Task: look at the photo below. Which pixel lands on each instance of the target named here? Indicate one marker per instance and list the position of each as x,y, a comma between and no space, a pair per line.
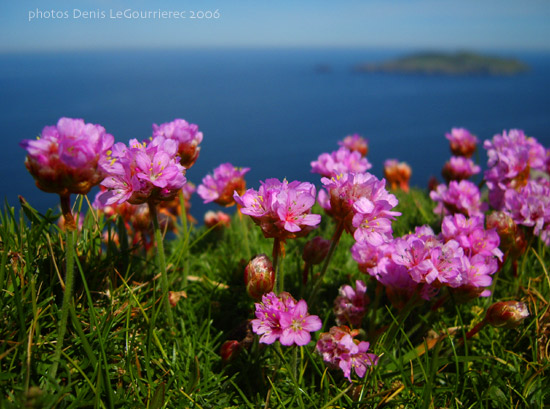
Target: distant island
438,63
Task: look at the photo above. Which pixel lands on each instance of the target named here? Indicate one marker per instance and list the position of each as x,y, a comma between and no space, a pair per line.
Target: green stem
67,297
279,279
332,248
161,262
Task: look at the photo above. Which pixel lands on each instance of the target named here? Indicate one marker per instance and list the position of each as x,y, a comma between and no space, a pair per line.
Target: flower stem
68,293
279,280
161,262
333,244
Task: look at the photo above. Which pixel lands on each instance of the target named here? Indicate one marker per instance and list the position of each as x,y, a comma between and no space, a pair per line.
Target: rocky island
437,63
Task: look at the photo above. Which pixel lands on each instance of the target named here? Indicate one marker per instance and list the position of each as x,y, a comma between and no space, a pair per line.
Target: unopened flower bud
316,250
507,314
259,276
229,350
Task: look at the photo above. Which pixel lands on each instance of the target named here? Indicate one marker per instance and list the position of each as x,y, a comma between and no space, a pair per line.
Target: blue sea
271,110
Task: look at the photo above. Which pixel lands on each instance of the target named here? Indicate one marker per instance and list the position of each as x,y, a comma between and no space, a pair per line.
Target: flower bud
507,314
229,350
512,239
218,219
315,250
397,174
259,276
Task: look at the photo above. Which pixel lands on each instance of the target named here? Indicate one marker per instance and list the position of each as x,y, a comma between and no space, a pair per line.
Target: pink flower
459,197
349,306
341,161
511,156
340,350
220,186
187,137
463,143
297,325
142,172
65,158
355,143
281,209
357,199
459,168
282,318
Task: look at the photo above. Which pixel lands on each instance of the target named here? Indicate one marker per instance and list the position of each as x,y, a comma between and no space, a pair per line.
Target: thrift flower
463,143
397,174
349,306
281,209
459,168
142,172
459,197
220,186
187,137
341,161
340,350
360,200
511,156
355,143
65,158
282,318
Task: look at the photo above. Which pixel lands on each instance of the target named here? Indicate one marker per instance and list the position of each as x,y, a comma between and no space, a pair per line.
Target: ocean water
270,110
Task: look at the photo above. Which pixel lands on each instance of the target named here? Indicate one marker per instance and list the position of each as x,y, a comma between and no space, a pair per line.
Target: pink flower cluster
285,319
341,161
355,142
363,204
530,206
459,197
340,350
187,137
459,168
281,209
463,256
65,158
142,172
462,142
349,306
220,186
511,157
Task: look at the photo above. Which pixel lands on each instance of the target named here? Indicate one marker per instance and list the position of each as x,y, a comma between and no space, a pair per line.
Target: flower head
463,143
220,186
397,174
349,306
142,172
65,158
282,318
341,161
355,143
459,197
259,276
361,201
340,350
459,168
281,209
187,137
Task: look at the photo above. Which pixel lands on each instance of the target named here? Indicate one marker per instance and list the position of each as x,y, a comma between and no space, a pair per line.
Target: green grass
120,352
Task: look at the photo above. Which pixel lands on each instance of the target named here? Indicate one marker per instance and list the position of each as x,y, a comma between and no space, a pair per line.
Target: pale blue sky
440,24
